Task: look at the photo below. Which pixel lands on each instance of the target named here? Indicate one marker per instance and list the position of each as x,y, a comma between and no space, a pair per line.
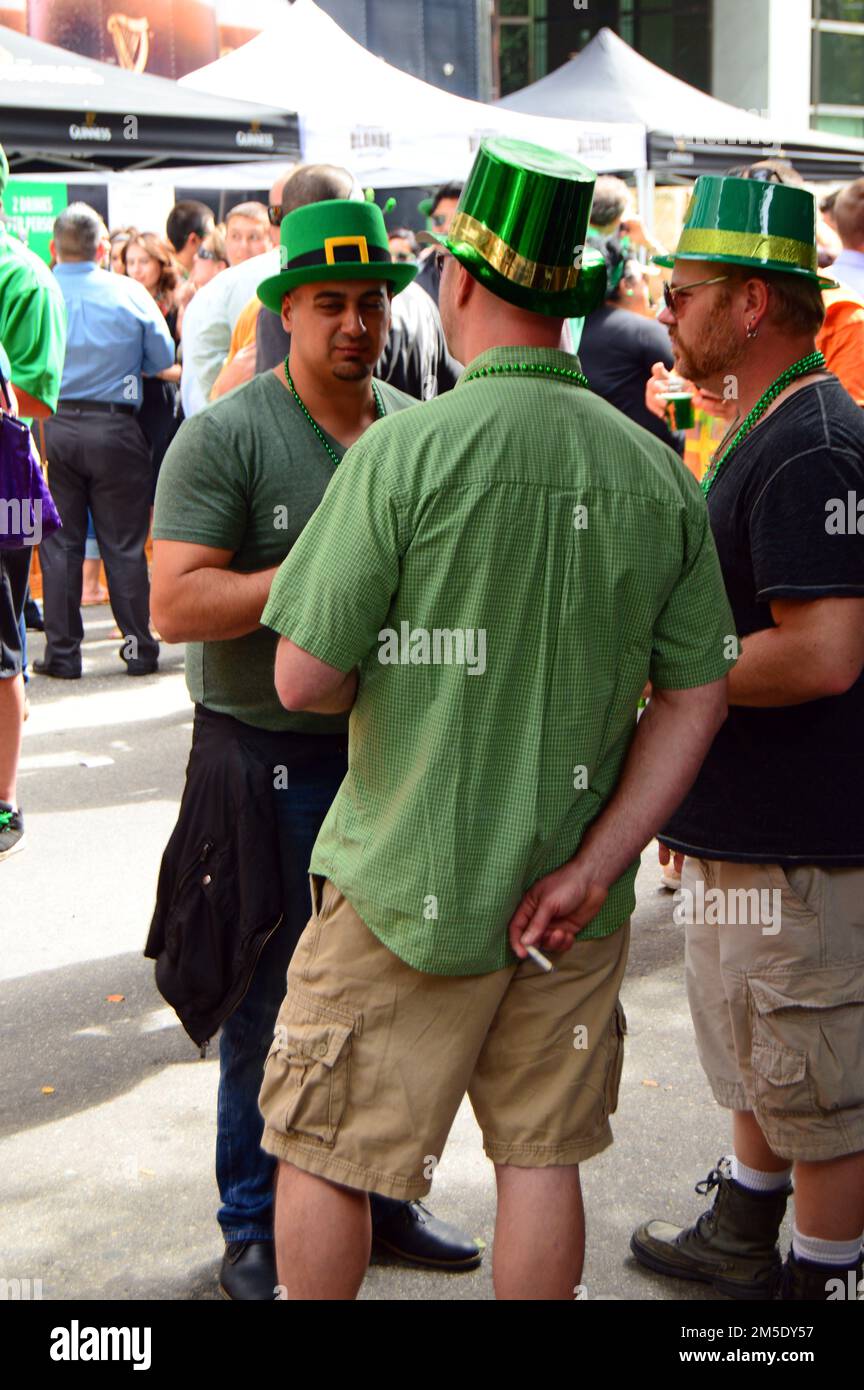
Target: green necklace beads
496,368
813,362
379,407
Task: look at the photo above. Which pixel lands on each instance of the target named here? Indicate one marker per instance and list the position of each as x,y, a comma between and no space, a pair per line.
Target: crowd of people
372,468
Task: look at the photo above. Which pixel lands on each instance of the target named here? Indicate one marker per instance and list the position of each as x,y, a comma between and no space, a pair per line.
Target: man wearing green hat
773,881
489,582
238,485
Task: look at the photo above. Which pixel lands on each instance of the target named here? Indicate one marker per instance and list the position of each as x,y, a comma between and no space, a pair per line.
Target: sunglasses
274,214
439,218
671,297
204,255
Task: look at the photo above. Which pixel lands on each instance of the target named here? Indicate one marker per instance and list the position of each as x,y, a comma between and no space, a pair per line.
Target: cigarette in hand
539,958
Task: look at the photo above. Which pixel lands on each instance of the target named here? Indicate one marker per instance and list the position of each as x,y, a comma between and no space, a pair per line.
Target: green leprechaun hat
520,229
338,239
771,226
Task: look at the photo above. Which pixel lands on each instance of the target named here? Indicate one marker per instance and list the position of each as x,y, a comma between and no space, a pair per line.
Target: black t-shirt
785,785
617,351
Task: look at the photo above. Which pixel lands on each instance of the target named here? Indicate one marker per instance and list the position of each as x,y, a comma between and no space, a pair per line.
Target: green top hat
520,229
771,226
338,239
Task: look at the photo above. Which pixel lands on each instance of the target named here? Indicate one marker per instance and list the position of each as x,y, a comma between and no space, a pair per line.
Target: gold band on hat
331,242
518,269
756,246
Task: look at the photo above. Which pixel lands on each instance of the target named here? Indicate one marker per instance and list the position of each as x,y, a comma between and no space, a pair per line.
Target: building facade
446,42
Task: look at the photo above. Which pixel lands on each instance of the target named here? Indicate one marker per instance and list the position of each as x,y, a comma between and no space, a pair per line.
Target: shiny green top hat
520,229
338,239
771,226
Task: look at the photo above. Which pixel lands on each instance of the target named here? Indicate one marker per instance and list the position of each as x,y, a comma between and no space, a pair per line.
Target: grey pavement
106,1181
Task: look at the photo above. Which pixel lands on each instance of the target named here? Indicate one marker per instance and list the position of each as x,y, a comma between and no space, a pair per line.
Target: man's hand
657,383
555,909
633,227
712,404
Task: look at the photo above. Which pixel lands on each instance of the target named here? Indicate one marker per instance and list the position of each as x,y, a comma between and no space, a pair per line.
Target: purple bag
27,510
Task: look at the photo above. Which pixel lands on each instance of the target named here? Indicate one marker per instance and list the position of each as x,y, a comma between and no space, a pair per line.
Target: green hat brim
587,294
780,267
271,290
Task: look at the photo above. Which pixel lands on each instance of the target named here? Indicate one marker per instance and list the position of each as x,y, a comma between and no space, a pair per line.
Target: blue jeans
316,765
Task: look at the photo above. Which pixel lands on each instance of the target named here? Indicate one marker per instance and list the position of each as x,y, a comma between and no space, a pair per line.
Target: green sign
30,210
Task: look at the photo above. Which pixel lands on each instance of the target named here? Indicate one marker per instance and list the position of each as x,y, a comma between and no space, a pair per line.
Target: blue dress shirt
115,333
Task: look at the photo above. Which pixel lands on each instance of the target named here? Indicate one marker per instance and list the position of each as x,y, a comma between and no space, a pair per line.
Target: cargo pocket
306,1075
806,1049
615,1062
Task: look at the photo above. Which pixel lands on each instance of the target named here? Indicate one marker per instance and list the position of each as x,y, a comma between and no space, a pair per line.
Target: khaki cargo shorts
777,998
371,1059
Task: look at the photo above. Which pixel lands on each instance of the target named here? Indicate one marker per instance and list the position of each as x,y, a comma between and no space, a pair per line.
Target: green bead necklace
379,407
494,368
813,362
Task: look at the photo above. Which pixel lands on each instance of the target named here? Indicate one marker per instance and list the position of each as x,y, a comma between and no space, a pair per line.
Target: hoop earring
752,330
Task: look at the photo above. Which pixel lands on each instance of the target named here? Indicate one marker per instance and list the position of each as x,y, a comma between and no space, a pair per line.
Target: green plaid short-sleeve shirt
508,565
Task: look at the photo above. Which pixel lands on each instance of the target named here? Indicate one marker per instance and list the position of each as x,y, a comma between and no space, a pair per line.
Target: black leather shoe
33,616
248,1272
42,668
409,1230
141,668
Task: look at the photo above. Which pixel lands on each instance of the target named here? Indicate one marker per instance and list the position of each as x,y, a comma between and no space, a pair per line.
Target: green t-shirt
508,564
32,320
246,474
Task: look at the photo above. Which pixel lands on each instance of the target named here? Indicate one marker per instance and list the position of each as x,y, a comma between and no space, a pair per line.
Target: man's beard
352,371
717,353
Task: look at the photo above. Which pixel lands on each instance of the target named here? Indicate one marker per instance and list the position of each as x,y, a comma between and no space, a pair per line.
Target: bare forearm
212,605
778,668
667,751
339,700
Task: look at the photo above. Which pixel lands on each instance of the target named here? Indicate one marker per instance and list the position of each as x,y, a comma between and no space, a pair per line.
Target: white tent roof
389,128
687,128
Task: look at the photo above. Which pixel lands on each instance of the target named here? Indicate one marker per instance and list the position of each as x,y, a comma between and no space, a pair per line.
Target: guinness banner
60,108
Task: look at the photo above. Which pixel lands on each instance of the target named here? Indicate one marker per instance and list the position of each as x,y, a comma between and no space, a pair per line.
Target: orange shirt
243,334
841,339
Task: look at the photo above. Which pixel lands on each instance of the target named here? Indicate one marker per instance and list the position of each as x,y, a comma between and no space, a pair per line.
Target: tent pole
645,184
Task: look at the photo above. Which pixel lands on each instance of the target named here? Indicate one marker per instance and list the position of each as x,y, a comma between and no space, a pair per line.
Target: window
838,66
534,37
852,11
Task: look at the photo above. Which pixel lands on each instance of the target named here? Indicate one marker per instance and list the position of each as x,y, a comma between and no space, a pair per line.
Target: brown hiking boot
732,1247
805,1282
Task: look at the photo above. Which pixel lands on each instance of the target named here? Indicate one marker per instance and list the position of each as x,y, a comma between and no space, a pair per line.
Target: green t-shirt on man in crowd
32,321
246,474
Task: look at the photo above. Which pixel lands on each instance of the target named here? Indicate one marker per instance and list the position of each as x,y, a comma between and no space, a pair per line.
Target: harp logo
131,41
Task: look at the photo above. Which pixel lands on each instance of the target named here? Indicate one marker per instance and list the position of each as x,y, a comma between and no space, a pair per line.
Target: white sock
842,1254
757,1181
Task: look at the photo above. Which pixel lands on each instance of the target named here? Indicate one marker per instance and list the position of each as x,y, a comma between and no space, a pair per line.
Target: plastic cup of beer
679,404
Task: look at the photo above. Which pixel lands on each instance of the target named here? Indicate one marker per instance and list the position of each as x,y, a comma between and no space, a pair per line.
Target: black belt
111,407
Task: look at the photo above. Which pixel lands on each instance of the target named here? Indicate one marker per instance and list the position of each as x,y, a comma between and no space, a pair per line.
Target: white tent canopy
389,128
689,132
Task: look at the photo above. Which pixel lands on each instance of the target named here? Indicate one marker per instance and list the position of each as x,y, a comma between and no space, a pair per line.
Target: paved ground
106,1182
